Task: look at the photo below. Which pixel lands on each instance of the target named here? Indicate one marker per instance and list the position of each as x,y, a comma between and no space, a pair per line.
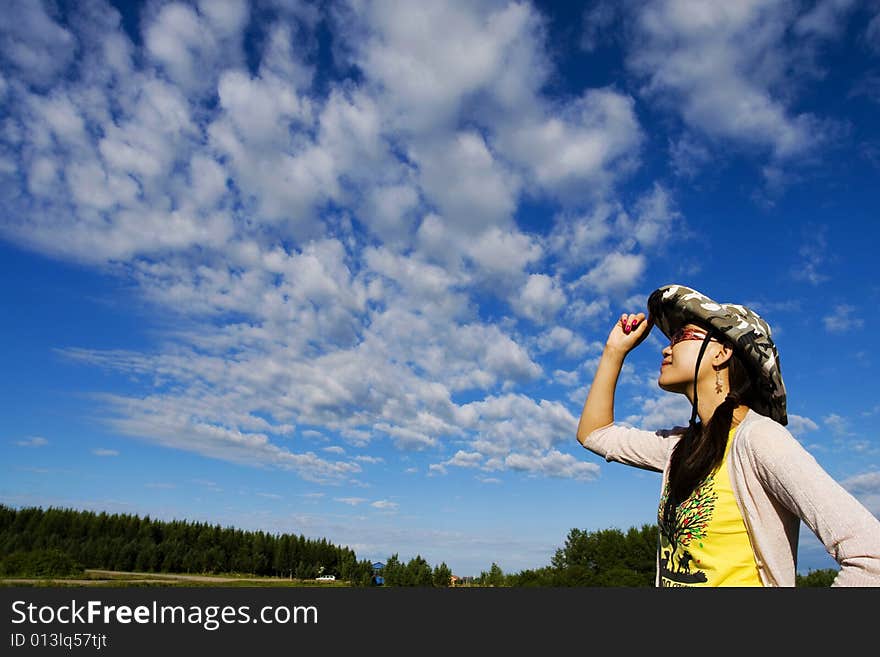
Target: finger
632,321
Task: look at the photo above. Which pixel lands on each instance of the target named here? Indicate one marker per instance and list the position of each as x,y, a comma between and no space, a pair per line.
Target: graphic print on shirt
677,565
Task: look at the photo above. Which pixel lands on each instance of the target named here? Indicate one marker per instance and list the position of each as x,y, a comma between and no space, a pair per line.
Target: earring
718,387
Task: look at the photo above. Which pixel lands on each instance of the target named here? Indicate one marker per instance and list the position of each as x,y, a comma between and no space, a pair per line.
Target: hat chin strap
705,344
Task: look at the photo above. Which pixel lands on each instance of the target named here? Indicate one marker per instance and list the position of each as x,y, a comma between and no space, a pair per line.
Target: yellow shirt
708,544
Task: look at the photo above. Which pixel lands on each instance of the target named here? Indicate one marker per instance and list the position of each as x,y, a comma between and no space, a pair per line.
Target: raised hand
629,331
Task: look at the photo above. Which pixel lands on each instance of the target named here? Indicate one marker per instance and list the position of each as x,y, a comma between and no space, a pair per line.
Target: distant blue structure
378,580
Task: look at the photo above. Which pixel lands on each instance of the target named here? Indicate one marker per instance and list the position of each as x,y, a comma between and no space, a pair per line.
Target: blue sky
346,269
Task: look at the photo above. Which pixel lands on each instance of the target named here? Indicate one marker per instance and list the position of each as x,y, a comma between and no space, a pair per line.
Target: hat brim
673,306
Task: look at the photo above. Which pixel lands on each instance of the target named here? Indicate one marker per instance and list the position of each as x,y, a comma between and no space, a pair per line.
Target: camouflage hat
673,306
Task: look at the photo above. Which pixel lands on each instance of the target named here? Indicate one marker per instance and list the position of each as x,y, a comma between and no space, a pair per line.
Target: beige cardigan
777,483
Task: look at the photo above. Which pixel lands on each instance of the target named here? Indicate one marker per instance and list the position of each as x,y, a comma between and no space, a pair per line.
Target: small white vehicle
327,578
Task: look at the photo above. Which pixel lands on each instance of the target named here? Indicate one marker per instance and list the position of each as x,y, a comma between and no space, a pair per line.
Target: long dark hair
701,448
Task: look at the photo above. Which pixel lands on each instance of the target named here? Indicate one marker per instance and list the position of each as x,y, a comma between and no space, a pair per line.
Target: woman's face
679,360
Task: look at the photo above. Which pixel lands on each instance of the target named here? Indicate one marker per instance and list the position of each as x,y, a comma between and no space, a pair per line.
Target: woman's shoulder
765,438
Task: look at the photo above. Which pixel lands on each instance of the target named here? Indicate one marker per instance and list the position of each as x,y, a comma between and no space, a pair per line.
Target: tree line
31,538
37,542
609,557
416,572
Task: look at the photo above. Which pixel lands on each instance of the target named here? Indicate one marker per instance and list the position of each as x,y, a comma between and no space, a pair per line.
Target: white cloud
225,16
502,255
664,412
165,421
487,67
579,150
466,183
585,312
34,441
775,307
583,239
191,46
553,464
825,19
284,57
560,338
655,217
385,505
724,68
814,254
105,452
327,259
352,501
569,379
34,43
464,459
596,23
867,483
426,76
799,425
688,155
211,486
540,298
838,424
62,117
260,110
516,423
414,277
390,211
866,487
842,319
405,437
615,274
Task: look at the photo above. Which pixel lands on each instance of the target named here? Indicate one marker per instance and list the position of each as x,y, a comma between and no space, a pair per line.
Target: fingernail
635,323
626,329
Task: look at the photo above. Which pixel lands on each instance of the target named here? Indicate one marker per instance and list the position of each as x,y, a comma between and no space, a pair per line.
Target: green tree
281,562
361,574
607,557
306,570
39,563
418,572
442,576
394,571
540,577
817,578
495,576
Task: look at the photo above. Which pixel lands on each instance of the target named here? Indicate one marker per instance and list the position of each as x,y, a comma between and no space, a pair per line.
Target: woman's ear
722,355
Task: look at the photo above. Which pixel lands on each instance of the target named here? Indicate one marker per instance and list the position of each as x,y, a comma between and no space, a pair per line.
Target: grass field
109,578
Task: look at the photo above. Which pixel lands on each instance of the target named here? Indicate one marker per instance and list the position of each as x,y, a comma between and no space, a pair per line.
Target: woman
736,483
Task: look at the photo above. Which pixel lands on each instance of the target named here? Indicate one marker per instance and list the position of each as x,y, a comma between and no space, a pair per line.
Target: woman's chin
669,387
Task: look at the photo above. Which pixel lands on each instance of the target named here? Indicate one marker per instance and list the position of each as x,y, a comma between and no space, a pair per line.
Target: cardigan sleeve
644,449
849,532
